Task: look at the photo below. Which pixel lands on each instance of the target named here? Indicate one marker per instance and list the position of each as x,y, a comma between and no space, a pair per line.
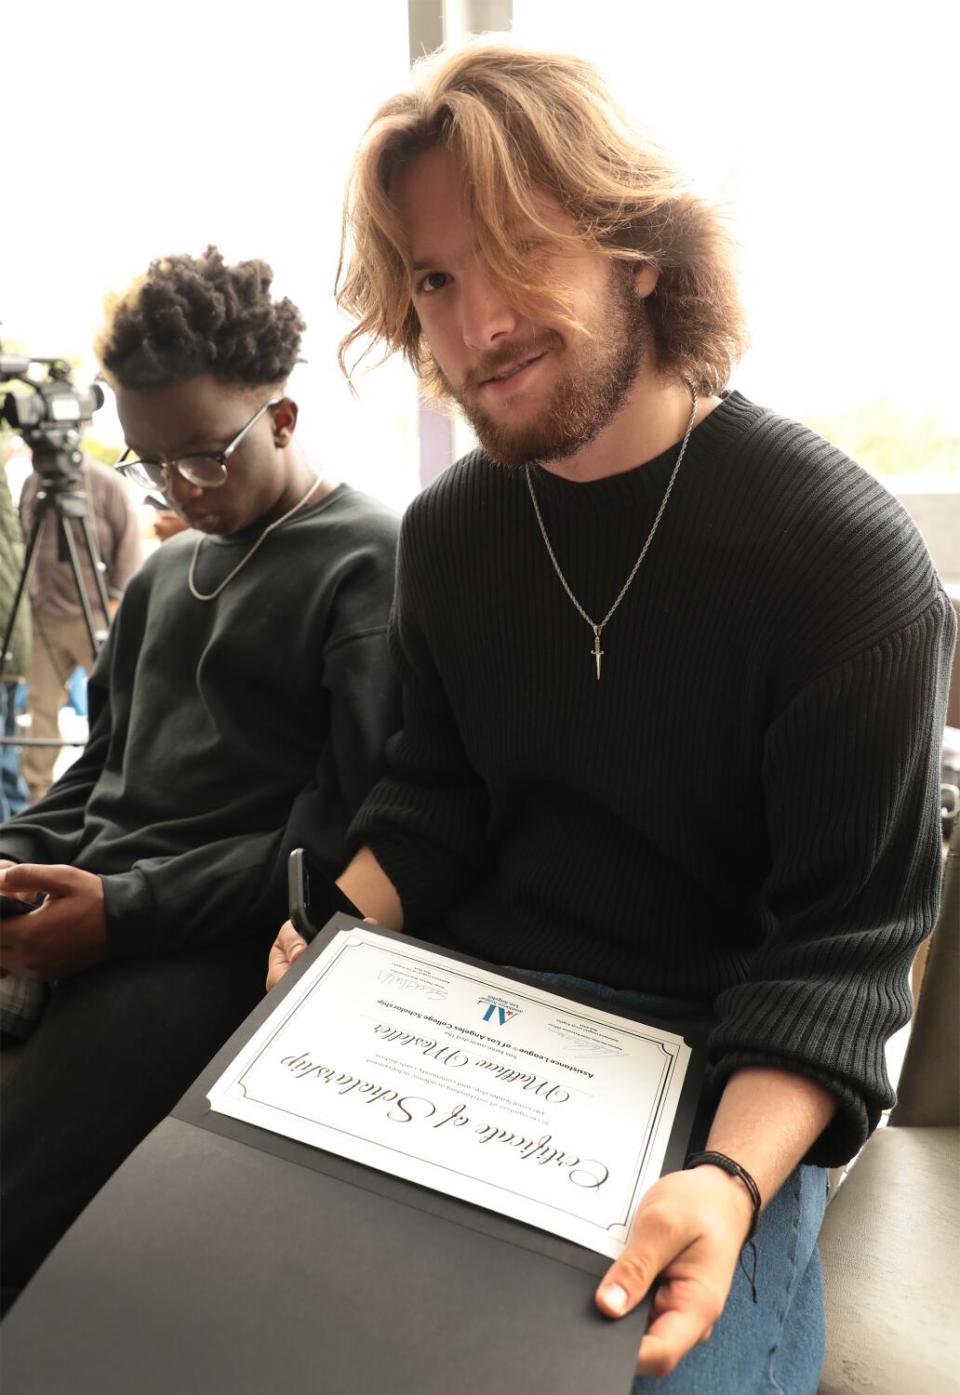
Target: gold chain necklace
598,626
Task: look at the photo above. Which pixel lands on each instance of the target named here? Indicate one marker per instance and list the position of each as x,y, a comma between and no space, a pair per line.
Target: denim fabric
77,691
13,789
773,1347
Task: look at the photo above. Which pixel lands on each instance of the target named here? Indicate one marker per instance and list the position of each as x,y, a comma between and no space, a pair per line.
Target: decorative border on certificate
522,1101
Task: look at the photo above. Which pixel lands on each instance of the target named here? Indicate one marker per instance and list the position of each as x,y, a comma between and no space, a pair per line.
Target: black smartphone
12,905
313,897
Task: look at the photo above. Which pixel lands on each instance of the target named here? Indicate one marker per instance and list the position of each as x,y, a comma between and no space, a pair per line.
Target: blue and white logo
498,1011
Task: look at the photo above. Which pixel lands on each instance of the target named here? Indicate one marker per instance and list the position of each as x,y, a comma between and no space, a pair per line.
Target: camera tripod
60,495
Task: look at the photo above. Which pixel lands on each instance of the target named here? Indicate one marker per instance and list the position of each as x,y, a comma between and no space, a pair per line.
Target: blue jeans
773,1347
13,790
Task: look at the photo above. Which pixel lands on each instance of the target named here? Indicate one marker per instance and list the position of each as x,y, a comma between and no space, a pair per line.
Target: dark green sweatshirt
225,733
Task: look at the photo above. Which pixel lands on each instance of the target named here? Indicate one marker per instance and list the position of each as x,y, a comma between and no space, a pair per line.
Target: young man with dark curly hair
239,709
674,674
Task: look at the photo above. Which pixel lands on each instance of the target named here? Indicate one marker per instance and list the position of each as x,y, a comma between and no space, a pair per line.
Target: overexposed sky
826,129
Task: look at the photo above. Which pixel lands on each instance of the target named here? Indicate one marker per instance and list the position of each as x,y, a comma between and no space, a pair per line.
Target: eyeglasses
206,469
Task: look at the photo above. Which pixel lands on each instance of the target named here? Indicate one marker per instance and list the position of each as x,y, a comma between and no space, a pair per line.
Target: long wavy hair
519,122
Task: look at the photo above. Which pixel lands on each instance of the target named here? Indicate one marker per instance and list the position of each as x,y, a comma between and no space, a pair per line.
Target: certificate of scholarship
457,1078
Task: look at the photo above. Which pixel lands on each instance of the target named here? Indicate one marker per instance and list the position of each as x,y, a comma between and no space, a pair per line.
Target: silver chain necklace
209,596
598,626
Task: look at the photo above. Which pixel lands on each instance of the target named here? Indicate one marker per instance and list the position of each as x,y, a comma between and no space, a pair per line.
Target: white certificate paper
494,1091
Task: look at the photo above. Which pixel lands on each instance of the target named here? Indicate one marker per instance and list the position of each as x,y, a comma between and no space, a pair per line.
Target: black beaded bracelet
734,1170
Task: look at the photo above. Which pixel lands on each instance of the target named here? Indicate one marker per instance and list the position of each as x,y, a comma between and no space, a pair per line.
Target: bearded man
674,672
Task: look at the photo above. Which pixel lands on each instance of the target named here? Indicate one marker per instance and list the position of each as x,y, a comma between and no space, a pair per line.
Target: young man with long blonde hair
674,672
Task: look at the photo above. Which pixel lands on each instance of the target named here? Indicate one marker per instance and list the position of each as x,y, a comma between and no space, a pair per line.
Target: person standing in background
21,999
61,639
168,524
13,790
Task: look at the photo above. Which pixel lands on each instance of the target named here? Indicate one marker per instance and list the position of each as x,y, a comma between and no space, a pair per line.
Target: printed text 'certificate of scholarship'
496,1092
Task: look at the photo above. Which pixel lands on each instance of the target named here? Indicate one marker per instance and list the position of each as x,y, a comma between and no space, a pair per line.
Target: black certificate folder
225,1257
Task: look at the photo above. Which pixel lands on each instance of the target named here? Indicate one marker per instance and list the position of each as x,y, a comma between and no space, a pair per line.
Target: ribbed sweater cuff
424,891
130,916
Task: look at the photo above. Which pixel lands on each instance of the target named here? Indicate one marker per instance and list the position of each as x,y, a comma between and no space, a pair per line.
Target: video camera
50,415
49,418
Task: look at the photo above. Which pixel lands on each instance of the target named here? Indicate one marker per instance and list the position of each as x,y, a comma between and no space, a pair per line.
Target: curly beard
597,376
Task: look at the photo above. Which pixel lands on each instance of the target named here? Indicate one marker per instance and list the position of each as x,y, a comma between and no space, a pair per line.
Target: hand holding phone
12,905
313,897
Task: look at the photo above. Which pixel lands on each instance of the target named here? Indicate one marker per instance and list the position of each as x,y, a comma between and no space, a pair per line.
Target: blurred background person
13,790
167,524
61,642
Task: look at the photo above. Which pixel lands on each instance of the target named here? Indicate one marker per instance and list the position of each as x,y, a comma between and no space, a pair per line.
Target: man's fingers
15,963
663,1300
287,947
277,966
291,941
625,1284
660,1301
59,938
26,877
655,1241
684,1314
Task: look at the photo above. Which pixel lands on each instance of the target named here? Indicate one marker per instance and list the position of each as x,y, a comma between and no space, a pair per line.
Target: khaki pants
58,647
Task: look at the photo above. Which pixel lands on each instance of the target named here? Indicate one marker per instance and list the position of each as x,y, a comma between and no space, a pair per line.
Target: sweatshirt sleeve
237,886
851,769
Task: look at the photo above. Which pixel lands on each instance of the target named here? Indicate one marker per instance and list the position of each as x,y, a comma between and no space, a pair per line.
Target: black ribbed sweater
744,809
